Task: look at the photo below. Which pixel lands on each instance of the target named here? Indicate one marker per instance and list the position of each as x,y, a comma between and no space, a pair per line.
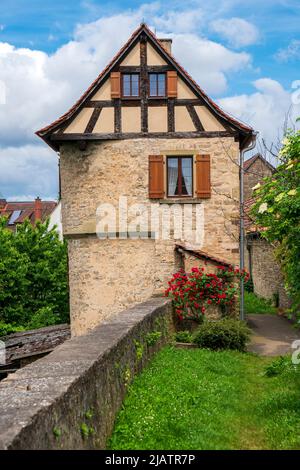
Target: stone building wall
255,174
107,276
267,278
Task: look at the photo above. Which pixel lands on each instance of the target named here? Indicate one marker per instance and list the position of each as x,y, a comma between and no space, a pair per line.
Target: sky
244,54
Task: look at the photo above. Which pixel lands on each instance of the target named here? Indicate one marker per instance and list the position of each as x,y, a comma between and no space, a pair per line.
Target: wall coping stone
80,374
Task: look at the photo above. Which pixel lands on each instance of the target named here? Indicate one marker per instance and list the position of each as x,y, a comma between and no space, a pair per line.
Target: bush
183,336
223,334
33,276
7,329
192,293
249,287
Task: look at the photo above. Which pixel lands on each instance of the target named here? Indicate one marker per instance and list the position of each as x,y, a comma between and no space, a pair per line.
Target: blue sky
245,54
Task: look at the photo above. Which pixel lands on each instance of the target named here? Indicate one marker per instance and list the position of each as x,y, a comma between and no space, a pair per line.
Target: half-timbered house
146,137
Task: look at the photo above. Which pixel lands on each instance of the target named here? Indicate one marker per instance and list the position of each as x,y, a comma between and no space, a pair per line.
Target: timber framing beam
137,102
137,135
194,117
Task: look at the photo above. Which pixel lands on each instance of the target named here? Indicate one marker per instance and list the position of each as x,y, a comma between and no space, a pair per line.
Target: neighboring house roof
248,163
18,212
246,131
202,254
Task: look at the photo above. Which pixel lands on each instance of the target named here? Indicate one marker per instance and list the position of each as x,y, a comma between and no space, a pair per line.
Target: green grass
200,399
255,304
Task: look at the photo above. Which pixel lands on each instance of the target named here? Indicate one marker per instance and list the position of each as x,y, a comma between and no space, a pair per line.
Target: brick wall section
267,278
106,276
83,381
255,174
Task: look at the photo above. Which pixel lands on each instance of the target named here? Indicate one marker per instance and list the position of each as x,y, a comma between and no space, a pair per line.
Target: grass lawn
199,399
254,304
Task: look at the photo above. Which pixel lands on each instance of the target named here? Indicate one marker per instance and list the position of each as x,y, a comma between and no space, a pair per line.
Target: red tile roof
143,28
26,209
202,254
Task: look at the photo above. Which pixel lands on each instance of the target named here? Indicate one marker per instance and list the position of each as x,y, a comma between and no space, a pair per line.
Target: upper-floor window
180,176
157,82
131,84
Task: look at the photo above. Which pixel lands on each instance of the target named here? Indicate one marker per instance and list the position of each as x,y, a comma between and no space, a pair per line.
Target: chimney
3,203
167,44
37,209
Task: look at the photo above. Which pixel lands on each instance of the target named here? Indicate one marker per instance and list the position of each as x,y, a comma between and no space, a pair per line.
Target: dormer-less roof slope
248,163
245,132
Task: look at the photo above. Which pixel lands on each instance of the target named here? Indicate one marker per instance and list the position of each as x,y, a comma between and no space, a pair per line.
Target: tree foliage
33,276
277,210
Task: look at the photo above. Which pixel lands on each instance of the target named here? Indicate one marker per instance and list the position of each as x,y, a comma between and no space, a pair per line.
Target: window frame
122,85
179,158
149,87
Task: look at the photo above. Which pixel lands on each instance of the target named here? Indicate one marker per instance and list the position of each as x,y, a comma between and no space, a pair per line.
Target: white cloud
237,31
211,63
183,22
31,169
291,52
265,109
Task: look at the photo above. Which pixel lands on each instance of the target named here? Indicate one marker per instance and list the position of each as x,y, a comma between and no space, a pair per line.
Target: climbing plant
277,211
193,292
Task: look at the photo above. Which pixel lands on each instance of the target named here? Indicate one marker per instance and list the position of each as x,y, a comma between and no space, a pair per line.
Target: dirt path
272,335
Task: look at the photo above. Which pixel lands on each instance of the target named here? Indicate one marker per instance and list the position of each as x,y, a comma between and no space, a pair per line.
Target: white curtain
172,175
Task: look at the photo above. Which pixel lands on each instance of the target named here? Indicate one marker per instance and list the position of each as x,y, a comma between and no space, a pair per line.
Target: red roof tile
202,254
27,210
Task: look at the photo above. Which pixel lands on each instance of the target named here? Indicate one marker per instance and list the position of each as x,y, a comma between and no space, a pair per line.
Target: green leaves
33,276
277,210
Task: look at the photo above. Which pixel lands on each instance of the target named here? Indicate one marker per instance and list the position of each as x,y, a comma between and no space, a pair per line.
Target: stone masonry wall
267,278
108,275
255,174
70,398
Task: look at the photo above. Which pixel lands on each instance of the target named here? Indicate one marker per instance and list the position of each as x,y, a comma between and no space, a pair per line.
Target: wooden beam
92,122
152,101
150,68
171,115
144,83
136,135
194,117
117,116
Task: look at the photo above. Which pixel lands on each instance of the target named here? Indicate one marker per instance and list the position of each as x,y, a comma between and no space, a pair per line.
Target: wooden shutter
203,185
172,84
156,176
115,83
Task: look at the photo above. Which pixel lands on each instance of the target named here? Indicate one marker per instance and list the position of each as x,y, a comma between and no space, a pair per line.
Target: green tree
33,276
277,210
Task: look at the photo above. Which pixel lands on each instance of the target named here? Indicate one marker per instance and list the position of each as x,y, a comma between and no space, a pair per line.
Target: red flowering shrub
193,292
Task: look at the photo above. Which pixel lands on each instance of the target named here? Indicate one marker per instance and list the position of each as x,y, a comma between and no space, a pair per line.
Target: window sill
189,200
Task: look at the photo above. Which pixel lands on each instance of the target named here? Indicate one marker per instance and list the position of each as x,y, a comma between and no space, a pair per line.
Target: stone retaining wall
69,399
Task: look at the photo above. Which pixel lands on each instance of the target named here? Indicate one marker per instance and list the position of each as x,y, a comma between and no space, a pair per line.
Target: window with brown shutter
156,176
115,83
172,84
203,183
